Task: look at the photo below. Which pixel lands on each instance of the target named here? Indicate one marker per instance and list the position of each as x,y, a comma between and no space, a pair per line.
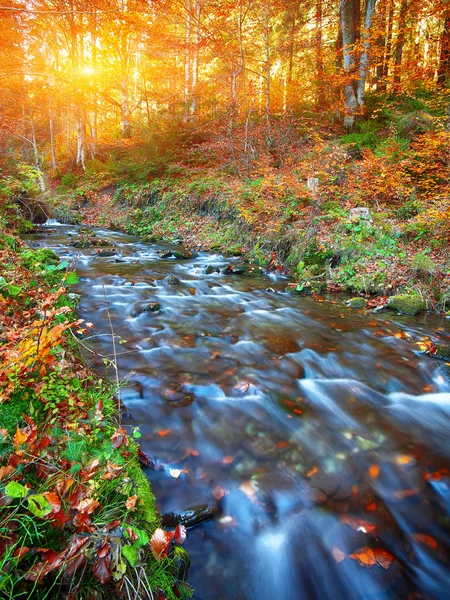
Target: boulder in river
152,307
179,254
190,517
210,269
106,253
172,280
408,304
357,303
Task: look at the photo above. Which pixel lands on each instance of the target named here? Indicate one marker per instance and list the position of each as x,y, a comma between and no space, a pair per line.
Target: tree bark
364,58
320,71
348,14
400,42
444,58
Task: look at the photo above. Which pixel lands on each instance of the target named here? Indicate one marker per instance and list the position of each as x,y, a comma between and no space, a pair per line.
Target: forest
260,159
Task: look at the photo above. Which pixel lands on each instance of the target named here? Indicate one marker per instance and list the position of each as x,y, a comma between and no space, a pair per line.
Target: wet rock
106,253
120,260
357,303
87,231
408,304
100,242
172,280
175,394
82,244
245,269
443,352
179,254
152,238
210,269
191,516
152,307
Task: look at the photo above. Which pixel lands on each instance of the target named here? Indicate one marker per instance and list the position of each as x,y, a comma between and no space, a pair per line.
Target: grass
73,498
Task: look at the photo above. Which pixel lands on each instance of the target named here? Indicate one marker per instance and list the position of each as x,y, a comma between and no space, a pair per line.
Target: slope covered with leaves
77,516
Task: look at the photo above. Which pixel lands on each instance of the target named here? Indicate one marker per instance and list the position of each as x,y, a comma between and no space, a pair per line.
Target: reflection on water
323,433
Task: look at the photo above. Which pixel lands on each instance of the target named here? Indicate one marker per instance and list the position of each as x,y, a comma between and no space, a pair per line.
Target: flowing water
321,433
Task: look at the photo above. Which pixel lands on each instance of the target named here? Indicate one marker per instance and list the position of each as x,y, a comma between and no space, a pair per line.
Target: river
321,433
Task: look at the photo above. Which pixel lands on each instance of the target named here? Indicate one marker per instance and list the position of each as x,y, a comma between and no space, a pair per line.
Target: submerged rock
408,304
357,303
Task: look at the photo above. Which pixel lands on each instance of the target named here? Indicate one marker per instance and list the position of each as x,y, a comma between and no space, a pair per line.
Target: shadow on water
316,435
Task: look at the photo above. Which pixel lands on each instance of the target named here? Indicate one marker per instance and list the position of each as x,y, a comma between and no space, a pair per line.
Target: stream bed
317,436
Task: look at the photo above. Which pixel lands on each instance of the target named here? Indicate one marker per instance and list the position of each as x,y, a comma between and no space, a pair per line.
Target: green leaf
142,535
14,489
38,505
2,281
71,279
14,290
131,554
136,433
63,265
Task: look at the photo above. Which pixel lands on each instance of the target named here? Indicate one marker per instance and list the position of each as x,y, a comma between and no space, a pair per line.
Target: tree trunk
187,62
320,71
52,141
348,13
267,69
400,42
37,161
444,58
380,44
364,59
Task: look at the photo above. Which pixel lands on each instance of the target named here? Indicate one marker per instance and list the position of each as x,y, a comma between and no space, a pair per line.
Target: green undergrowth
76,511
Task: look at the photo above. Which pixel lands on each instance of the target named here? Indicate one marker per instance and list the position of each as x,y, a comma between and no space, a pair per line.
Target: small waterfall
52,223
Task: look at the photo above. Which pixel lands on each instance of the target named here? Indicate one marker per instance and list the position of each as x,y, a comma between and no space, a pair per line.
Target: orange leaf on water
374,471
163,432
364,556
404,459
423,538
312,471
383,557
227,460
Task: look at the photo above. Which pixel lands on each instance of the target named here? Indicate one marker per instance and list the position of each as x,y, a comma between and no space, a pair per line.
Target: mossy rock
152,238
152,307
245,269
408,304
443,352
82,244
357,303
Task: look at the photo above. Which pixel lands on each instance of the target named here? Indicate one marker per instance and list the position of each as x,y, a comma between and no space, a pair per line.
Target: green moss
408,304
443,352
146,507
357,303
21,403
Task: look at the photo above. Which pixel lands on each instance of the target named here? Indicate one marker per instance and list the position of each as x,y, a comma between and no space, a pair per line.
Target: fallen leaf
338,554
131,502
383,557
163,432
227,460
423,538
180,534
404,459
119,437
400,494
312,472
374,471
365,557
54,501
101,569
218,492
358,524
159,543
87,506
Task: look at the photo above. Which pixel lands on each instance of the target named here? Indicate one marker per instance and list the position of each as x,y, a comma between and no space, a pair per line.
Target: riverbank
372,254
78,516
